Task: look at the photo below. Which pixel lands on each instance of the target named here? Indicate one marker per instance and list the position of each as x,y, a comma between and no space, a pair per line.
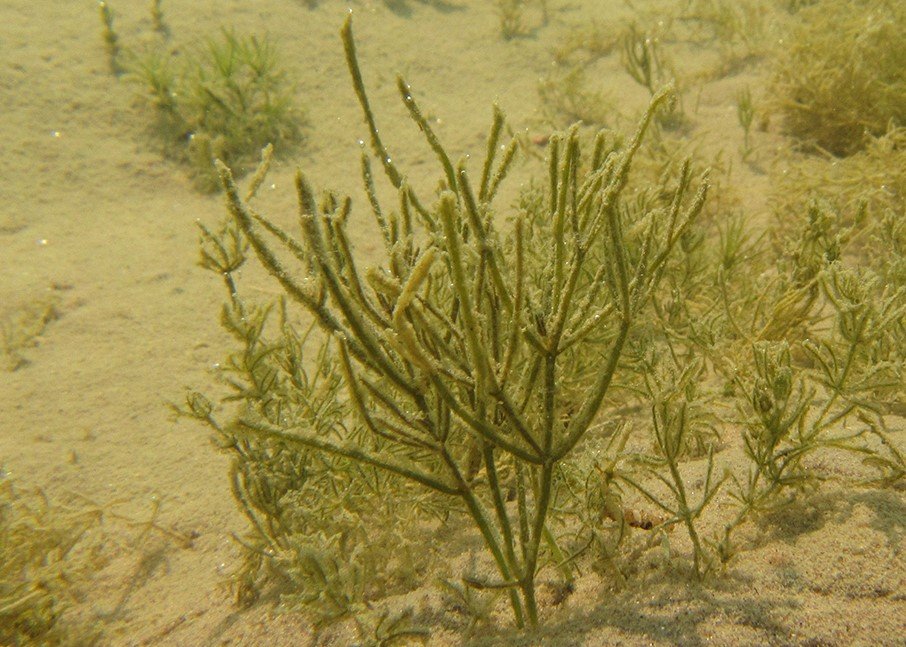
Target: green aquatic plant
568,91
21,327
230,98
512,19
319,525
41,572
683,427
238,95
512,16
111,39
460,354
811,352
51,550
841,75
644,59
870,182
225,98
157,18
745,114
568,97
832,399
585,43
739,31
640,57
889,236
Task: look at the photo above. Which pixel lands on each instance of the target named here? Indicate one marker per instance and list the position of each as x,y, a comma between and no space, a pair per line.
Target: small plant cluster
745,114
738,30
512,15
569,97
43,567
494,374
841,76
568,92
225,100
21,327
807,359
50,551
870,182
321,525
643,59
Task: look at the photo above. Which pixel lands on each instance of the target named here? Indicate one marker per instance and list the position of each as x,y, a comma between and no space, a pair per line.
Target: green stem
477,512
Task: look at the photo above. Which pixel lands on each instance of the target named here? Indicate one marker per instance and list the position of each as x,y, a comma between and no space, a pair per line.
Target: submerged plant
42,572
512,15
644,60
226,99
21,327
641,58
51,550
842,74
464,356
237,95
157,18
745,113
111,39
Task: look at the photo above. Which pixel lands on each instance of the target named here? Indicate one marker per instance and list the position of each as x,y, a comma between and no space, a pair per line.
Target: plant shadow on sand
666,609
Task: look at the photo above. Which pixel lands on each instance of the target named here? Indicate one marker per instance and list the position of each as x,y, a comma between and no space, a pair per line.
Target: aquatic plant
735,34
226,99
459,355
841,75
811,353
745,114
51,549
157,18
567,91
871,181
465,374
568,97
854,367
584,43
512,16
644,60
640,56
39,580
111,39
20,327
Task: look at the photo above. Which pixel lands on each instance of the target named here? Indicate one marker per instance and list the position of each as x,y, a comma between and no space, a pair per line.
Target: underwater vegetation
39,579
518,18
457,375
21,327
226,99
623,371
484,370
840,77
51,552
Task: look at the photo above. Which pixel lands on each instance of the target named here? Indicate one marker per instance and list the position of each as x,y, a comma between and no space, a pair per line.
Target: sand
94,220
